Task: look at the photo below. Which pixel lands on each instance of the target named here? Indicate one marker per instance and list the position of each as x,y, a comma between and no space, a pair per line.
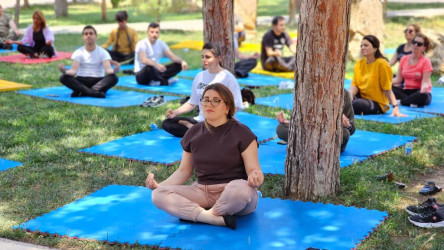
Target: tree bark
312,163
26,4
292,12
219,28
17,12
104,10
61,8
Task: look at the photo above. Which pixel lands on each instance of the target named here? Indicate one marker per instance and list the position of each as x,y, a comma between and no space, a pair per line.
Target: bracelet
395,105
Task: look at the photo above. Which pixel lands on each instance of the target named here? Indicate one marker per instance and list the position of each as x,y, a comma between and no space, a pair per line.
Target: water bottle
408,147
154,126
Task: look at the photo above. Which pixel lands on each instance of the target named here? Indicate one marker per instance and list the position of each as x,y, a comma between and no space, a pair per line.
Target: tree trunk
104,10
219,28
17,12
292,12
312,163
26,4
61,8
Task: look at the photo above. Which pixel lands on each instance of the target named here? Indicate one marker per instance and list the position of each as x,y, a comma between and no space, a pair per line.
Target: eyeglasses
409,31
213,102
419,44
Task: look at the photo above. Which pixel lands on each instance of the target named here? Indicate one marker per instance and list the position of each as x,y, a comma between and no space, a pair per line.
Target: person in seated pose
213,73
148,53
348,123
38,36
8,30
124,40
272,46
245,63
406,48
92,65
224,155
415,71
371,88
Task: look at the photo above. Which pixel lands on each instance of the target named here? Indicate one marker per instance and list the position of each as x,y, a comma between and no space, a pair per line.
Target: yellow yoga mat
11,86
259,70
197,45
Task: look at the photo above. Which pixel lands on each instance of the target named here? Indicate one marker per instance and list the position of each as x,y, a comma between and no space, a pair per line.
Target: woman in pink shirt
415,70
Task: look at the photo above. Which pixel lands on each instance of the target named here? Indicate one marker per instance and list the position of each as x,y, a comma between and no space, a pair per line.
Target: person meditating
371,88
123,39
348,123
90,63
213,73
38,40
406,48
415,71
223,153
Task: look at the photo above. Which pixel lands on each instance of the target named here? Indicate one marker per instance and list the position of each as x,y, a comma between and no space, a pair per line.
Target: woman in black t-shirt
224,156
406,48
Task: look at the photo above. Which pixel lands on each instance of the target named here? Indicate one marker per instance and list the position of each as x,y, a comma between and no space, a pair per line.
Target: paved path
6,244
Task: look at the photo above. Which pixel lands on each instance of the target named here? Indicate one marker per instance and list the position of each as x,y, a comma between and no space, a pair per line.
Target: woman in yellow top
371,88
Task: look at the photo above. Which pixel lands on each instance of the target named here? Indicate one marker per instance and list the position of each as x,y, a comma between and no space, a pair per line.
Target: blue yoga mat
160,147
285,101
125,214
152,146
182,86
14,49
361,146
437,104
7,164
114,98
253,79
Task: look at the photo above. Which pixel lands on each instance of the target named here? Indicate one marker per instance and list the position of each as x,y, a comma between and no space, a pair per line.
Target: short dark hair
121,16
425,38
153,25
276,19
89,27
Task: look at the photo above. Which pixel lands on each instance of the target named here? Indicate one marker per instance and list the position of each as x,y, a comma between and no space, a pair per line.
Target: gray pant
282,133
187,202
280,64
11,36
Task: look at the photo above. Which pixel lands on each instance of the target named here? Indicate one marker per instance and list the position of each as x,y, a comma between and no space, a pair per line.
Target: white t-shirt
159,48
204,78
143,45
91,63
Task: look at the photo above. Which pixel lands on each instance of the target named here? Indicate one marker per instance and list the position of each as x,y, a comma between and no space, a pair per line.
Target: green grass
45,136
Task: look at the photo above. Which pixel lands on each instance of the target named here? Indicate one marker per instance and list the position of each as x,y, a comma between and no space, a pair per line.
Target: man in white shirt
148,53
91,73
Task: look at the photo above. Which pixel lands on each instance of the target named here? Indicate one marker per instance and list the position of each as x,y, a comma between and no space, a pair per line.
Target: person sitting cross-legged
348,122
148,69
223,153
123,39
91,73
8,30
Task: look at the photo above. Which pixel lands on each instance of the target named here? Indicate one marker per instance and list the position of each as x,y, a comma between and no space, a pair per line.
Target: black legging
412,96
242,67
150,73
120,57
280,64
90,86
173,127
30,51
365,107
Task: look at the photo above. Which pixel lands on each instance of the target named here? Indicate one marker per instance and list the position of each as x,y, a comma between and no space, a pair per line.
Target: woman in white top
213,73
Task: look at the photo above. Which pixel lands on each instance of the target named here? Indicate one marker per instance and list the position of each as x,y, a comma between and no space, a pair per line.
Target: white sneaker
172,80
154,83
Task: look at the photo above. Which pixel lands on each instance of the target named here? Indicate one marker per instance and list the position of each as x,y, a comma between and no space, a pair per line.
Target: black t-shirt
400,51
270,39
39,40
216,154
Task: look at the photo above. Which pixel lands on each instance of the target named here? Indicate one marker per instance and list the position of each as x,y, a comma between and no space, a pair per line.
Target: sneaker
172,81
427,206
429,220
429,189
154,83
154,101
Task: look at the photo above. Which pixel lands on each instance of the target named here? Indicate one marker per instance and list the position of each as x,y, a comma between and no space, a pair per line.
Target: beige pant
187,202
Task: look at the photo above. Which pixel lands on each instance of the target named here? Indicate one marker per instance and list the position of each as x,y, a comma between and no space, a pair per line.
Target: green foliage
115,3
154,7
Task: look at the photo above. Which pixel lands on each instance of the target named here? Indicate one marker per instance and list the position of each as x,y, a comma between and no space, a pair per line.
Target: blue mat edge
384,215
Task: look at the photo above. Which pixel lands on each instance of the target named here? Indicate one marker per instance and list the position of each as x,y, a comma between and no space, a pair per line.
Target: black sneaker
429,220
158,101
430,205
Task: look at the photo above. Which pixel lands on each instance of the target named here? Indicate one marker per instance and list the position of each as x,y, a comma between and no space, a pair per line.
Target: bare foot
185,123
